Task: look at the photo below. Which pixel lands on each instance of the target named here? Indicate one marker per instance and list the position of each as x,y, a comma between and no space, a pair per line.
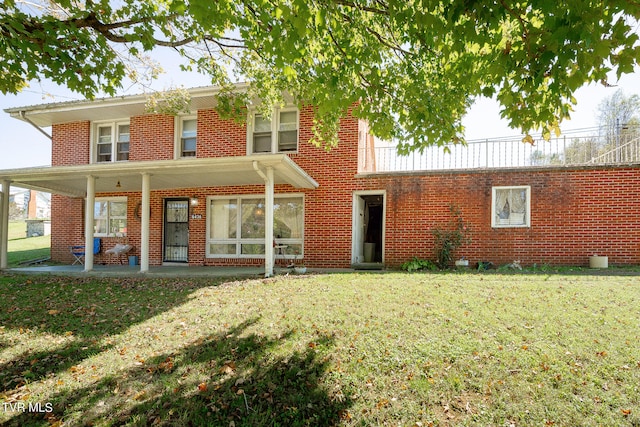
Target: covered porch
143,177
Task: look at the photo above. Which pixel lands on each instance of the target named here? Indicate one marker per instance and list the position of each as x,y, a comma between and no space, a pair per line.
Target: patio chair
118,250
79,251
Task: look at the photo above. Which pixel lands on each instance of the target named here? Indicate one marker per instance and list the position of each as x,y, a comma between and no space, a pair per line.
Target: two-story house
201,190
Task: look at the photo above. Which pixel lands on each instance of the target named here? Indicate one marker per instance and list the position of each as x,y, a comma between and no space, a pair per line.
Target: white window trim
527,222
177,145
238,240
275,124
110,199
114,135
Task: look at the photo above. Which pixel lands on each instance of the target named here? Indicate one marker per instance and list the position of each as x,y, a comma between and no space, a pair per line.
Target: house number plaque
196,216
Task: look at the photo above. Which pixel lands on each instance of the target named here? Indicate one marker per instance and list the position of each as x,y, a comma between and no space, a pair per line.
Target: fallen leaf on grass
202,387
77,369
166,366
344,415
382,403
228,368
54,312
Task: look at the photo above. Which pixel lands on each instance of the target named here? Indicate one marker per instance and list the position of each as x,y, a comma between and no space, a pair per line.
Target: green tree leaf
411,68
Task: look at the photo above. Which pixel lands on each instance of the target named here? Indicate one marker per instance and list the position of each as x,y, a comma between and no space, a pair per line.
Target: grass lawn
21,248
441,349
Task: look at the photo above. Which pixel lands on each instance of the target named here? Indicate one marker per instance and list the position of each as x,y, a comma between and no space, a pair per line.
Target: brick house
200,190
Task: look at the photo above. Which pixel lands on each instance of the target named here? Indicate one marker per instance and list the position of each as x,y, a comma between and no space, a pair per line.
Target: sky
21,145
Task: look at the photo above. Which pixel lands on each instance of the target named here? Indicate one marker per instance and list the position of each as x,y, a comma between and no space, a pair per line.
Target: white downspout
4,224
145,219
23,116
88,223
268,217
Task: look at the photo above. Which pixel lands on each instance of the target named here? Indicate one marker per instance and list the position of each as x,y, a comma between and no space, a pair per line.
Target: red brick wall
152,137
67,226
574,212
70,144
219,138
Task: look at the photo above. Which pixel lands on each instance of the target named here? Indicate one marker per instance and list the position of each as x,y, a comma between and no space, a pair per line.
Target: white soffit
167,174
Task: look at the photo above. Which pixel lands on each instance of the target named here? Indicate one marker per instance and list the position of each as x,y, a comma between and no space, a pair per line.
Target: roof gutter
23,116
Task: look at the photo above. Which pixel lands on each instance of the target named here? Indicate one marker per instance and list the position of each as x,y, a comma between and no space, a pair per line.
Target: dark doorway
176,230
373,227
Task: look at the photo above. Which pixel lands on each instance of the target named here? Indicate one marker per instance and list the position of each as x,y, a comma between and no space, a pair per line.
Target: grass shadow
242,379
69,317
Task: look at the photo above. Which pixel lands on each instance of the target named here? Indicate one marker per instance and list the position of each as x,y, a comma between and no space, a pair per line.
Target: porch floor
161,271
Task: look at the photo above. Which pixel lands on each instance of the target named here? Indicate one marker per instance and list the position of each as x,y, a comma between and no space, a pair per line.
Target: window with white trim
187,134
511,206
112,142
236,226
110,216
275,134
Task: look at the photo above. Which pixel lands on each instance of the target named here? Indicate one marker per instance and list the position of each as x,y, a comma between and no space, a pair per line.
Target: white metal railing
628,152
507,153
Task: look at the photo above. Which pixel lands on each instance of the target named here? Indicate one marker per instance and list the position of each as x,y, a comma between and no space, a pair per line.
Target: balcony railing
613,148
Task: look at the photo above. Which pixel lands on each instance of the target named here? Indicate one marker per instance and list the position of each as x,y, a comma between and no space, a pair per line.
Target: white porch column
268,217
4,223
88,223
268,229
144,220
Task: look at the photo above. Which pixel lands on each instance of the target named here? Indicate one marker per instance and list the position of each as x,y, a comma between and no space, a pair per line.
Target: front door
368,227
176,230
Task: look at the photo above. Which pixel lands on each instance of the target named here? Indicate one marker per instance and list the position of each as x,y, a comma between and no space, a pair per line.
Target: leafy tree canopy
413,66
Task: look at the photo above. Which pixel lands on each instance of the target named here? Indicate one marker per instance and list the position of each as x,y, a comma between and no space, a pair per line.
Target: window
187,140
236,226
275,134
511,207
122,147
110,217
112,142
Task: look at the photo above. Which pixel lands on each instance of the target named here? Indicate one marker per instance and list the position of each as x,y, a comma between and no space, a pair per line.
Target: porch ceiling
166,174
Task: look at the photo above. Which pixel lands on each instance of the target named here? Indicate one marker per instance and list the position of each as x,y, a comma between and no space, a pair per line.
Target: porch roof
165,174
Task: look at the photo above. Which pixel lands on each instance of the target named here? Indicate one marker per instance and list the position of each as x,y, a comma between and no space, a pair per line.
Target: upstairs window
275,134
511,207
188,133
112,142
262,134
122,144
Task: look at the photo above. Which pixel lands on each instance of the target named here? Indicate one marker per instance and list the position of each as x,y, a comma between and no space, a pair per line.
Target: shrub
419,264
448,240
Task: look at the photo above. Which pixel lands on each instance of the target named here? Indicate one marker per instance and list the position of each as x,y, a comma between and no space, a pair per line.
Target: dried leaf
228,368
